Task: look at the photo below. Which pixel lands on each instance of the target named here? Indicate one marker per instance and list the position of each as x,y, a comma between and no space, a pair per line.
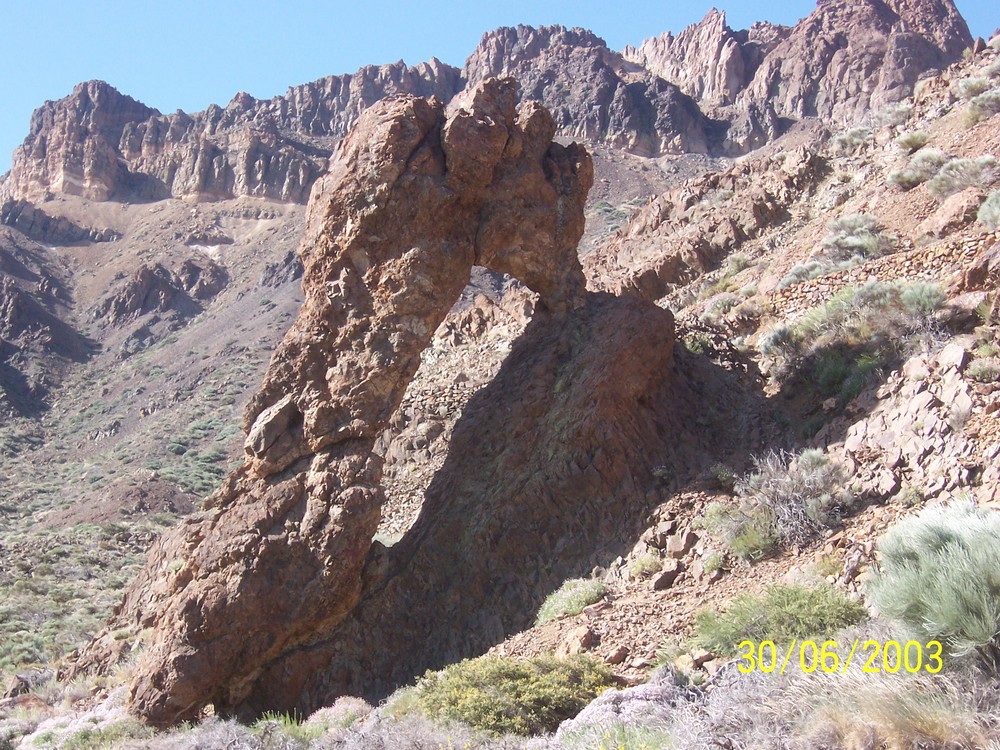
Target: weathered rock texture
844,60
36,342
412,201
683,233
849,57
547,477
100,144
708,61
593,92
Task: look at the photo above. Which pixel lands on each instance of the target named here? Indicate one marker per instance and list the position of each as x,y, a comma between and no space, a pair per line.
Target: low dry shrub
502,695
780,614
570,599
989,211
939,575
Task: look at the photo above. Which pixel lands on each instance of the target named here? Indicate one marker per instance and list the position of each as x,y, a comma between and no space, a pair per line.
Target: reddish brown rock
849,57
410,204
100,144
592,91
683,233
547,476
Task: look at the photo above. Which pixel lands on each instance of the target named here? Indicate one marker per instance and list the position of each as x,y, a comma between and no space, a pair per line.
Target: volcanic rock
411,202
99,144
850,57
708,61
593,92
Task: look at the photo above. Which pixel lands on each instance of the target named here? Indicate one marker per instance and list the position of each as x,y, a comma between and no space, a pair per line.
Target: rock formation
36,342
841,62
845,59
708,61
848,57
593,92
412,201
547,477
100,144
681,234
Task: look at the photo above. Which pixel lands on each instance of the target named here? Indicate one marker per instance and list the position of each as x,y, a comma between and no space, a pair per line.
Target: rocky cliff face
708,61
412,201
593,92
843,60
100,144
36,344
847,57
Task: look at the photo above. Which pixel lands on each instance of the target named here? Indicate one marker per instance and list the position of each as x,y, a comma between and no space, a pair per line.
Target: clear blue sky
186,55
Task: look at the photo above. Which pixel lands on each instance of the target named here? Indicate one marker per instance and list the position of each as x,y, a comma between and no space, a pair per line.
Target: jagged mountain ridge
844,59
837,63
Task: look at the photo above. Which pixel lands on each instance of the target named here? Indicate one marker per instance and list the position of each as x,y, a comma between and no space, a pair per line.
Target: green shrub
618,735
644,565
894,114
287,725
109,735
851,140
989,212
838,345
786,500
570,599
744,530
804,494
779,615
938,573
724,476
958,174
924,165
502,695
971,87
983,107
855,235
912,141
983,371
718,306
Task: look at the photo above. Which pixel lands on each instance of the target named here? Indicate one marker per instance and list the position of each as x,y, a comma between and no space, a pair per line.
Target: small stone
713,665
680,544
668,575
952,356
578,641
700,657
684,663
617,656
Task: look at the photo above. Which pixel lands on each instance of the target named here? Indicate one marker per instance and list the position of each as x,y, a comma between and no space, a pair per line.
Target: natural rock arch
236,595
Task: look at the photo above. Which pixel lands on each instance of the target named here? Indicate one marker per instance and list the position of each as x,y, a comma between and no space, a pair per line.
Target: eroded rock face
683,233
849,57
411,202
100,144
546,477
592,91
708,61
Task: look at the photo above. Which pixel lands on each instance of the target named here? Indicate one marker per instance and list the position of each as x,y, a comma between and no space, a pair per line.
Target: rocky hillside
481,364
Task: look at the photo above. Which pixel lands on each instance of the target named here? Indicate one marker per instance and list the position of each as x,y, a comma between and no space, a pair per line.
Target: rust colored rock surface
547,476
411,202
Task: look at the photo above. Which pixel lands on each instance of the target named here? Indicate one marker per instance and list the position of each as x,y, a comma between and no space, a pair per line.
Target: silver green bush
910,142
570,599
983,107
971,87
958,174
804,494
939,575
924,165
989,212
